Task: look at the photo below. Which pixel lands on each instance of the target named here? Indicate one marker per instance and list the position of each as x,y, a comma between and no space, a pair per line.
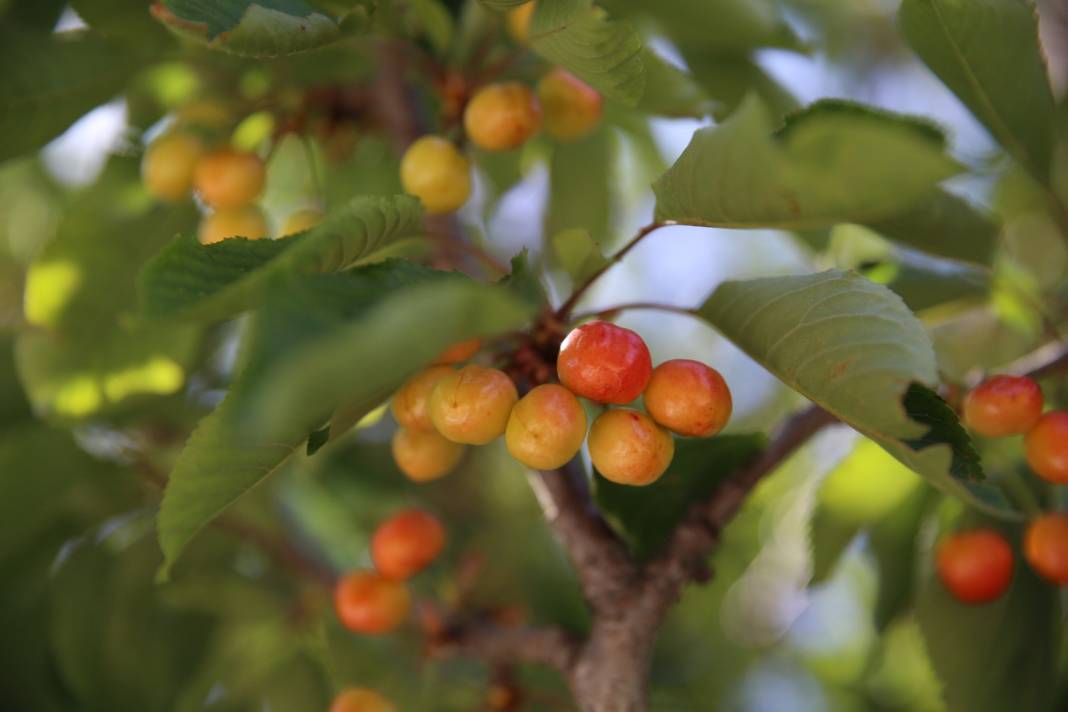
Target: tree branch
600,557
550,646
684,558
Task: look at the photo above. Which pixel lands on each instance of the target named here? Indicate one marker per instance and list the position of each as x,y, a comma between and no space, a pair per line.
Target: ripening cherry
169,165
409,404
301,220
975,566
472,405
1046,547
435,171
229,179
459,352
247,221
519,21
1046,447
629,448
570,107
406,543
604,362
503,116
546,427
1003,405
689,398
367,602
424,455
361,699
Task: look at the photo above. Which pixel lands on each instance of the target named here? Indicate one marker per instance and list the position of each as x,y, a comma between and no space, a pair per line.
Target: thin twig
549,646
631,306
565,309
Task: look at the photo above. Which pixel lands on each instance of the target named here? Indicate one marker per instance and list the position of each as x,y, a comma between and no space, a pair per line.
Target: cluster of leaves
123,323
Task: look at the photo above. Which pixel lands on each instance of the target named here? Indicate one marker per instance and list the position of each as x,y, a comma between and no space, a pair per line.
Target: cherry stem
565,309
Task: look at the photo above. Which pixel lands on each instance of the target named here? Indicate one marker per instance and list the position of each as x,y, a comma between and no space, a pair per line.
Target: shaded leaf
51,80
648,515
580,186
998,656
578,254
190,280
254,28
852,347
834,162
988,53
945,225
603,52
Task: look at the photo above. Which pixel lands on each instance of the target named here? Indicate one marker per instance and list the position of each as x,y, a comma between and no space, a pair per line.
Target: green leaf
435,21
322,341
49,81
943,224
670,91
264,28
728,80
648,515
723,27
128,20
834,162
211,282
580,185
864,489
853,347
578,254
523,281
998,656
988,53
893,542
361,363
503,5
601,51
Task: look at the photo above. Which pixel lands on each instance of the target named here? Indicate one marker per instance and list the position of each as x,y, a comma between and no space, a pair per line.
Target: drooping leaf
603,52
728,80
998,656
649,514
723,27
864,489
834,162
128,20
854,348
523,282
580,186
359,365
51,80
944,225
210,282
670,91
254,28
502,5
321,342
988,53
578,254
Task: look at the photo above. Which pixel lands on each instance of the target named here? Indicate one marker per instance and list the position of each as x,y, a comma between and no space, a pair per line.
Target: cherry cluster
976,566
227,182
441,409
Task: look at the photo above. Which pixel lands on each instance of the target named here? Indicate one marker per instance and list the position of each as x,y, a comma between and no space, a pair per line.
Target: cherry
424,455
169,164
1003,405
604,362
571,107
229,179
361,699
406,543
627,447
460,351
409,404
472,405
1046,547
247,221
689,398
369,603
975,566
1046,447
503,116
433,170
546,427
519,21
301,221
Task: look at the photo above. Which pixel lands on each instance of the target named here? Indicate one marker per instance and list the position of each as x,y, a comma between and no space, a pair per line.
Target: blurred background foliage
821,598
